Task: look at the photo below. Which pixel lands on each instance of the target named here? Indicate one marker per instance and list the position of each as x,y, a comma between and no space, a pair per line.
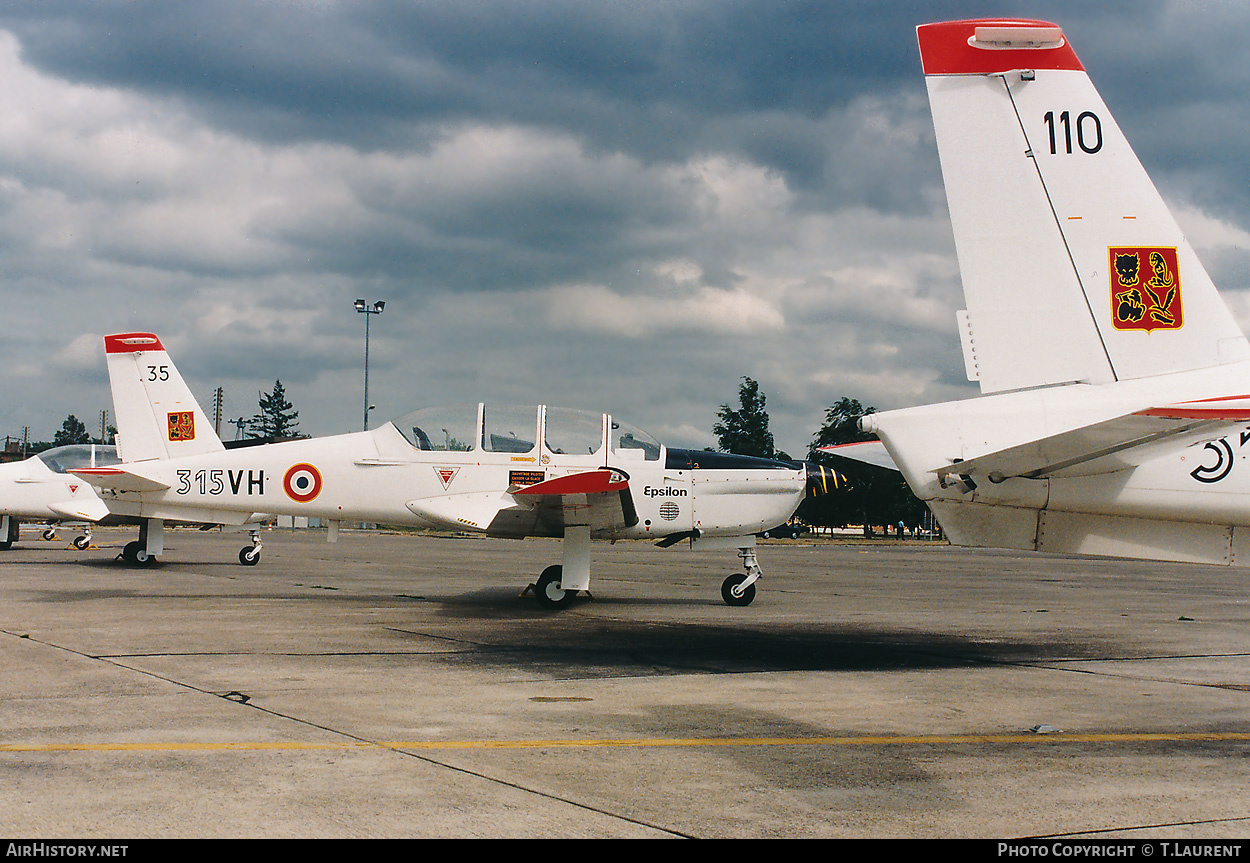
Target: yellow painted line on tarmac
639,743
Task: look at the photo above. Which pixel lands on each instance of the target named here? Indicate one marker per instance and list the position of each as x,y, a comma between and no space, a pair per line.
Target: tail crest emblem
1145,288
182,426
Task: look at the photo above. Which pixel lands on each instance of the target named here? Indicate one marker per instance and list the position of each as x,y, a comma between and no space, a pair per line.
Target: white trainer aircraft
498,471
41,489
1114,417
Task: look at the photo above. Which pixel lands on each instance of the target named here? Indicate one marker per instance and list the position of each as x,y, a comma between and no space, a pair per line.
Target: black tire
550,594
130,552
49,534
249,555
81,542
728,586
142,558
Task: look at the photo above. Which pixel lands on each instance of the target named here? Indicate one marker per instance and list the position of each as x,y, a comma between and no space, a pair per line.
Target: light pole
366,310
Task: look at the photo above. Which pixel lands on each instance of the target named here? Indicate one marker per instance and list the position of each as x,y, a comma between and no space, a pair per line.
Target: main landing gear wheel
249,555
81,542
549,592
135,553
732,591
50,534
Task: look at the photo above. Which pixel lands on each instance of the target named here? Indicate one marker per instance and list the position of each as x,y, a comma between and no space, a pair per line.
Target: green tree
276,418
842,424
72,431
745,431
873,495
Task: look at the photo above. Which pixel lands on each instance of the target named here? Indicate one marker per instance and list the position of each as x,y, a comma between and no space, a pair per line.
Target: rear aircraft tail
1074,273
1073,268
157,417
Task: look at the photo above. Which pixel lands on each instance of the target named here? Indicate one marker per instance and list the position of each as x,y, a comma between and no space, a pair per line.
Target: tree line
871,496
276,419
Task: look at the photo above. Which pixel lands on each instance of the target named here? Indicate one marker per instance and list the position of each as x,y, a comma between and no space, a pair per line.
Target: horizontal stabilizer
1108,446
871,452
119,479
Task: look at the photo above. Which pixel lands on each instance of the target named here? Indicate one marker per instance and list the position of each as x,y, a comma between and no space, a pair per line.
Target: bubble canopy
524,429
63,459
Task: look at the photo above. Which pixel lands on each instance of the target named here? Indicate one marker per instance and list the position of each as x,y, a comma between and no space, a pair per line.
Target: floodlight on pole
365,309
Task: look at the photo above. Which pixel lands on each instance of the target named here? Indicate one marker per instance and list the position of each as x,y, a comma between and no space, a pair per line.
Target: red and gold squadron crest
1145,288
182,426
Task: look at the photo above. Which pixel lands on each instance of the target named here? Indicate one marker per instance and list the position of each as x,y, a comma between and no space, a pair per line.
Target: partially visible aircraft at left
41,489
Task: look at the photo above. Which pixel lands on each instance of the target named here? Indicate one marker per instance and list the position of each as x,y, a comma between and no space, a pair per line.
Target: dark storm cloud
611,205
657,80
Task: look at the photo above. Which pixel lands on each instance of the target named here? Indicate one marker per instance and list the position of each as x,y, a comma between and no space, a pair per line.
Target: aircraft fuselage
379,476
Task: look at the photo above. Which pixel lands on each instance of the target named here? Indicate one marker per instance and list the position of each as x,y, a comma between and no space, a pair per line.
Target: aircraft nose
821,479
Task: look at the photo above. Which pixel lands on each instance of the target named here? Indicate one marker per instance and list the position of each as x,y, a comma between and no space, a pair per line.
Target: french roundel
302,482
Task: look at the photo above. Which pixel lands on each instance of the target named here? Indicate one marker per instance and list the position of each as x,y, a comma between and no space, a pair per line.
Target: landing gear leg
8,532
249,555
739,588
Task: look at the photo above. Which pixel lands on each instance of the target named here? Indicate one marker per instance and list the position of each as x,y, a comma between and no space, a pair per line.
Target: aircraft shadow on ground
499,628
510,634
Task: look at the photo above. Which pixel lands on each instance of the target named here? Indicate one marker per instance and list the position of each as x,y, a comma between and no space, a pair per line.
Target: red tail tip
131,343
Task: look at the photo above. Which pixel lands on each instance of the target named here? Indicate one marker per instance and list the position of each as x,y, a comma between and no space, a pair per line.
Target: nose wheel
249,555
739,588
735,591
83,541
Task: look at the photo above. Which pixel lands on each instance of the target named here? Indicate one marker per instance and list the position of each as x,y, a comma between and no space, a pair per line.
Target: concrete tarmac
398,686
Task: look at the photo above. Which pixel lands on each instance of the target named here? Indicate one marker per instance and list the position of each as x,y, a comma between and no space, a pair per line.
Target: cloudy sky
621,206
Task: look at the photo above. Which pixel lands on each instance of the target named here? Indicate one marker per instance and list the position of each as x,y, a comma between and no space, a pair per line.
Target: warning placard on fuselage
525,477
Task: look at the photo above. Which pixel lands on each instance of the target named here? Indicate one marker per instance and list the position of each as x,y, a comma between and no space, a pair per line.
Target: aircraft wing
599,498
1111,445
871,452
88,509
119,478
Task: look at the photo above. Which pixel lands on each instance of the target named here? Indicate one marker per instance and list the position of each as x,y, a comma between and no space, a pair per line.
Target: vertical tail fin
157,417
1073,268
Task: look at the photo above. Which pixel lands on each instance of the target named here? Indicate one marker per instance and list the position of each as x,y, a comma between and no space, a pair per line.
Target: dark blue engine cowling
820,479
